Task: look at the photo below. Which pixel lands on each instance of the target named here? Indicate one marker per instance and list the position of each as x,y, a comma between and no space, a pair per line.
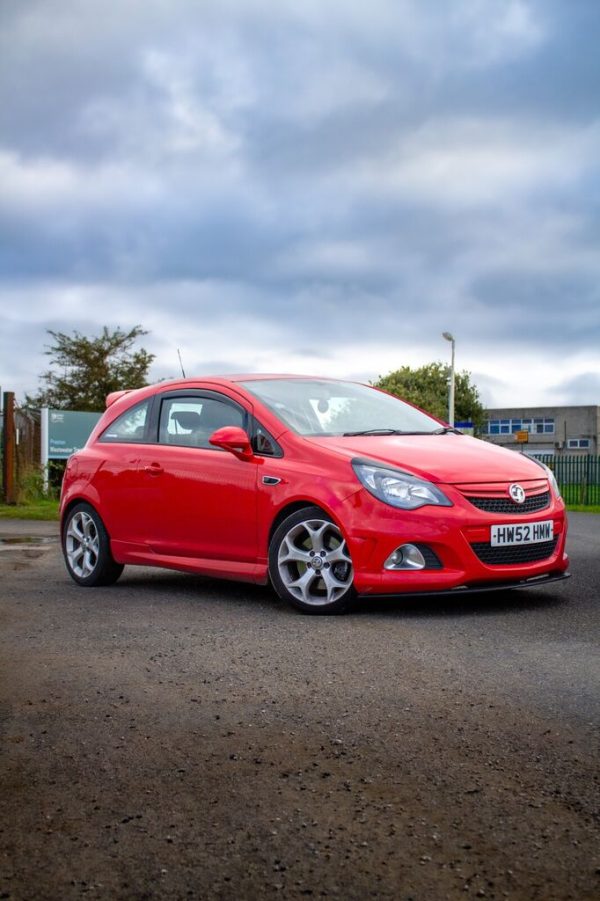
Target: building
545,430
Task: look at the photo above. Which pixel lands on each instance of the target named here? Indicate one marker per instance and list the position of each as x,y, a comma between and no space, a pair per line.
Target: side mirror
233,439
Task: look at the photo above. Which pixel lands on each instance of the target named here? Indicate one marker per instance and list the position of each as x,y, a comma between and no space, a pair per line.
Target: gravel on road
178,737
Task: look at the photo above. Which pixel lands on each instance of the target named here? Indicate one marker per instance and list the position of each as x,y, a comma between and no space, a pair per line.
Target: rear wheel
86,548
309,563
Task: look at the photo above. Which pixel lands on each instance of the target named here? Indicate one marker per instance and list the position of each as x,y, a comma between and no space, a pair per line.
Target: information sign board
68,432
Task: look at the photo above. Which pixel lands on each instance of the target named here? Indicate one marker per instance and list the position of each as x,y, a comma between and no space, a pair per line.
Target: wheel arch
73,501
293,508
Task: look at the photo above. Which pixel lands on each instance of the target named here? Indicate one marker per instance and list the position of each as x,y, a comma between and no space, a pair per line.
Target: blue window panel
494,428
549,427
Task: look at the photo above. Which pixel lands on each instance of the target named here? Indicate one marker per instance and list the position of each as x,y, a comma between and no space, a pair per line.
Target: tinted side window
190,421
129,427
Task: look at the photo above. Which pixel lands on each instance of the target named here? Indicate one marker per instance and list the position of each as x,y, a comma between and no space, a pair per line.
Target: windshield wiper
374,432
441,431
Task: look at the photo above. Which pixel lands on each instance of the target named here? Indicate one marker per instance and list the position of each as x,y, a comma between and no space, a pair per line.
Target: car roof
214,380
264,376
236,378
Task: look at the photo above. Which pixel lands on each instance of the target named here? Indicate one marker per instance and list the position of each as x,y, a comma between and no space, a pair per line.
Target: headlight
549,475
551,478
399,489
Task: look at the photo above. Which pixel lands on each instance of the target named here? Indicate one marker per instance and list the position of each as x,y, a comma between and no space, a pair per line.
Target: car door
200,501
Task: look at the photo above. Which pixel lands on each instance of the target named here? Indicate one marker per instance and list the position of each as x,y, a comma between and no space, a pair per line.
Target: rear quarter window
128,428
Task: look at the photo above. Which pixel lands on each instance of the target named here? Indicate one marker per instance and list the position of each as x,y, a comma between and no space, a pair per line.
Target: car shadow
187,586
218,591
515,601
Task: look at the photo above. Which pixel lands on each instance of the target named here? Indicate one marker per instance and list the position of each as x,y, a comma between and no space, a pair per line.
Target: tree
84,370
427,387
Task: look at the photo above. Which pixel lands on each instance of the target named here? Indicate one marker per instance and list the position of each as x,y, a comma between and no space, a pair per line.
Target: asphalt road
174,737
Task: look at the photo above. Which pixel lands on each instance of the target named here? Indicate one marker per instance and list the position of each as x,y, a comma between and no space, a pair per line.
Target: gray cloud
582,389
316,175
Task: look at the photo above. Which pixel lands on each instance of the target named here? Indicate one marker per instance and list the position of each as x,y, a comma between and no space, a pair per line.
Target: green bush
30,483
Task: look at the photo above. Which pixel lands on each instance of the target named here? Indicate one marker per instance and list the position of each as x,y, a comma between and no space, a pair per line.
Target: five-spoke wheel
309,562
86,548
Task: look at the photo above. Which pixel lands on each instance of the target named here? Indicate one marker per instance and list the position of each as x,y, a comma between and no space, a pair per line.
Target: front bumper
374,530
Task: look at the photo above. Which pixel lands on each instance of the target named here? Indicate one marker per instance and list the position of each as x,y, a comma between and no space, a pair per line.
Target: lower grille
505,505
432,561
522,553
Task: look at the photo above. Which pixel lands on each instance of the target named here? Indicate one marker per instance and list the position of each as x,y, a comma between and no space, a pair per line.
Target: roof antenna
181,362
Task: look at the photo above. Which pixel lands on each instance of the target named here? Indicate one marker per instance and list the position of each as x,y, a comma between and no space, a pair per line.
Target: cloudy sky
318,186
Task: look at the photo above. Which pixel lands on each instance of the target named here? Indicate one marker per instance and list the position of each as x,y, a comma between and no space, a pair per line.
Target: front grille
522,553
505,505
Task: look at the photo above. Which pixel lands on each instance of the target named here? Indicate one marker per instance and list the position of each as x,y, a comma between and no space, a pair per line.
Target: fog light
407,556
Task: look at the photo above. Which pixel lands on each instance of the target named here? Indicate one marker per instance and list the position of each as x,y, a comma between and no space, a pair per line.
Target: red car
327,489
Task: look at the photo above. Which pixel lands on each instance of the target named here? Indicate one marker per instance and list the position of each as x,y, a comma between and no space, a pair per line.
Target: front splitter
476,588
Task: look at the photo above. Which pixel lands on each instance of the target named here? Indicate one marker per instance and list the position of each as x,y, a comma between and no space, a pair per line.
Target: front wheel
309,563
86,548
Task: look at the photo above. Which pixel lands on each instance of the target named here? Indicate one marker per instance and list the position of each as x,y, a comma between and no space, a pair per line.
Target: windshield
322,407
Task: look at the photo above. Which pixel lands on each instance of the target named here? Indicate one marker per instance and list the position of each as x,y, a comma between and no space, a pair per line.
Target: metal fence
578,477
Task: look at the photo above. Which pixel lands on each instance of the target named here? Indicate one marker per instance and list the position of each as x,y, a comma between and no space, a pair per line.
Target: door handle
154,469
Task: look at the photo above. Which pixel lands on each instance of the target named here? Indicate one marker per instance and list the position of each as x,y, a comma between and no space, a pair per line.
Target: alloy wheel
82,544
313,562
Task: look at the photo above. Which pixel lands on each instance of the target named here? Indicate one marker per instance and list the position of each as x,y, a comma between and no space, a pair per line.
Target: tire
299,542
86,548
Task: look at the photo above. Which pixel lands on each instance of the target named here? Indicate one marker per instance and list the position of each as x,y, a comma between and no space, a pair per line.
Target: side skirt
232,570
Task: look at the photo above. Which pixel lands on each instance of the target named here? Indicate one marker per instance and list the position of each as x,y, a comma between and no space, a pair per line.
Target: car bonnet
448,458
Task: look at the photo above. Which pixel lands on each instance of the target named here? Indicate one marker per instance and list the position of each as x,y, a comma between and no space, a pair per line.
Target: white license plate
522,533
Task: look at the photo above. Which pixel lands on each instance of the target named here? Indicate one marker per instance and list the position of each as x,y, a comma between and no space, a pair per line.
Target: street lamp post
450,338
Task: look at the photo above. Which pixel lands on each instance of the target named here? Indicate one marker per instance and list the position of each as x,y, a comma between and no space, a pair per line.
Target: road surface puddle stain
27,543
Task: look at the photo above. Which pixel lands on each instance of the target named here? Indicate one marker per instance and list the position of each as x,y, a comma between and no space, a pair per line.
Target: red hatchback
325,488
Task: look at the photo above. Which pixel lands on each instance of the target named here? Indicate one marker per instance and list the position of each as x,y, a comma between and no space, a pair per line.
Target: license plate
522,533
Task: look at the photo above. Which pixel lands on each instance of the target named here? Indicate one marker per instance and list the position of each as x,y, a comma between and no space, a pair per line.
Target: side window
264,444
180,421
190,421
129,427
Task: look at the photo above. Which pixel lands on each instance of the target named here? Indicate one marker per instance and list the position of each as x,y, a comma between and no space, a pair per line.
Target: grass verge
42,509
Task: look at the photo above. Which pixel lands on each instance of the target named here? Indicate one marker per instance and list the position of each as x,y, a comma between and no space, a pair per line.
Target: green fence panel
578,477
